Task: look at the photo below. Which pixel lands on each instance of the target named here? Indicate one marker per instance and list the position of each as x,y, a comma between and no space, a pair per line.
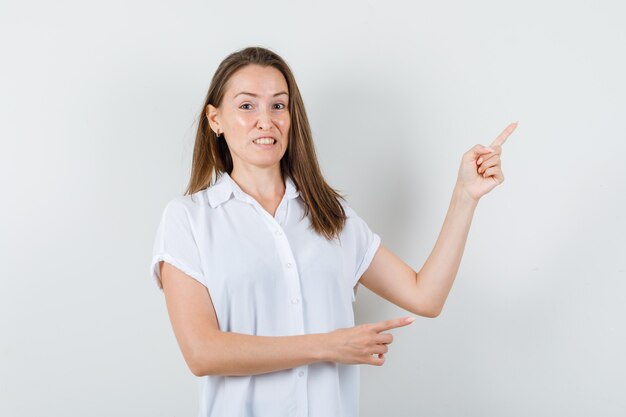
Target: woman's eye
281,106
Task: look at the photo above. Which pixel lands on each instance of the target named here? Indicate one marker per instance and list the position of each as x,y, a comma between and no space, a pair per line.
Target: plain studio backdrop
99,104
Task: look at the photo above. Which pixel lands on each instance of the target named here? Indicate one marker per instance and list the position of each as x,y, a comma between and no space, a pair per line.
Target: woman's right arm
210,351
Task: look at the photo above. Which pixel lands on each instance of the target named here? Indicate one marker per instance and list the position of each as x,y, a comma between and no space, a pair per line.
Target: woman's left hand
480,169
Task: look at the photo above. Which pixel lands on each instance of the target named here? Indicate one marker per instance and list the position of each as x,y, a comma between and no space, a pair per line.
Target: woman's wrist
462,197
321,347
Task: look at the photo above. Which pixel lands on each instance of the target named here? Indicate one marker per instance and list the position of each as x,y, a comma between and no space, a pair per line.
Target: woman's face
255,104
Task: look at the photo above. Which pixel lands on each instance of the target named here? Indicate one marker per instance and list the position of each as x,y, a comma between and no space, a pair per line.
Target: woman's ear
212,114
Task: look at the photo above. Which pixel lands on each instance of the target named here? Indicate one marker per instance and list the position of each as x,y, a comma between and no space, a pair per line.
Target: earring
218,134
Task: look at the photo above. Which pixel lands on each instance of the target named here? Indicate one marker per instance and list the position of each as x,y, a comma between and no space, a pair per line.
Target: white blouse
269,276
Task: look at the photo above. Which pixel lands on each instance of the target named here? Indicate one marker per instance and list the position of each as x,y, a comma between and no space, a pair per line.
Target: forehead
256,79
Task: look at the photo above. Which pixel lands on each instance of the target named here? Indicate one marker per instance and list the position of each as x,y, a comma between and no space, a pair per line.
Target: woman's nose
265,119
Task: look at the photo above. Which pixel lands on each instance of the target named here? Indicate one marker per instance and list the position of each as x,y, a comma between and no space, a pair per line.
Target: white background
98,110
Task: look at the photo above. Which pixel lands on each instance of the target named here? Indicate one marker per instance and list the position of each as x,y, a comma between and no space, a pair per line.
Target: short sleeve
366,243
175,244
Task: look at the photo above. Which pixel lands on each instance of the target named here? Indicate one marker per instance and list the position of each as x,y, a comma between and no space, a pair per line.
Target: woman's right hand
356,345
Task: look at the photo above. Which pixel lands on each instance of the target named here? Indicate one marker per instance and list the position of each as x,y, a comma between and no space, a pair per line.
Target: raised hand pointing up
481,169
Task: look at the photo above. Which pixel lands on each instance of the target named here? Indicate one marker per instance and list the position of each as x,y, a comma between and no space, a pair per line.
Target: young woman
260,265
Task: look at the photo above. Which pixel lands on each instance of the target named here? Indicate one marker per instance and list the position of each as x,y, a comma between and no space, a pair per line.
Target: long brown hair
300,160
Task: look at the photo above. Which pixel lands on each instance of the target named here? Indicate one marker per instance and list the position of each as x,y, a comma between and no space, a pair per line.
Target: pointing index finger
391,324
505,134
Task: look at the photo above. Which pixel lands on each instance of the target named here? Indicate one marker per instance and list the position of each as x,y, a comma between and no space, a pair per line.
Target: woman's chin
267,162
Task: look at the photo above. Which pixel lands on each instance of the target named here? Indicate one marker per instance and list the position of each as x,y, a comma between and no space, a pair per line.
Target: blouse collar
225,187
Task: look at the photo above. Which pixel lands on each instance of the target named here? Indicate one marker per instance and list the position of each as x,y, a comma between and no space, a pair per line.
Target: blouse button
289,265
279,233
301,373
295,301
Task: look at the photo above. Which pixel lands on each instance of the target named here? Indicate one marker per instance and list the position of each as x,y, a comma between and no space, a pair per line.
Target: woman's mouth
265,143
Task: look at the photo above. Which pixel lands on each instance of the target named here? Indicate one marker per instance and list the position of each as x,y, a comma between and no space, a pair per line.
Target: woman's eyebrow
256,95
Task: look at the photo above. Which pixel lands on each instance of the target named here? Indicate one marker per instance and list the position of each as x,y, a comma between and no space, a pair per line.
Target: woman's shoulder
348,210
354,221
190,204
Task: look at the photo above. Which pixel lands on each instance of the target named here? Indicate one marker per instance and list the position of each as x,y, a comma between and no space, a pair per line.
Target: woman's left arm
425,292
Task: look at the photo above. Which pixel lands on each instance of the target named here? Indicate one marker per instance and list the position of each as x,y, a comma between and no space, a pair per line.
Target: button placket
291,273
294,291
301,384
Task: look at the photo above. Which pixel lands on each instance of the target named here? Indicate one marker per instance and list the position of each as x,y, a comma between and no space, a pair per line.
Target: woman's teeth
264,141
